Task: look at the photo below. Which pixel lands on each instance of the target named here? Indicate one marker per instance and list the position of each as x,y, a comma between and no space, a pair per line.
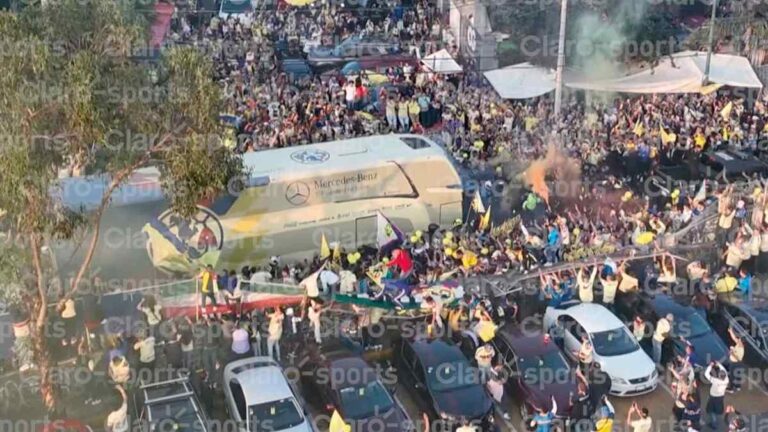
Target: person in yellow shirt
413,111
208,287
726,284
605,416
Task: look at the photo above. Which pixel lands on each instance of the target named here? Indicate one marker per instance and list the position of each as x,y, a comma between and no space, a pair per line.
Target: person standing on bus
208,289
402,115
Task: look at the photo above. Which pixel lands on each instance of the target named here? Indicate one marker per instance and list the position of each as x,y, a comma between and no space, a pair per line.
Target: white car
259,397
632,372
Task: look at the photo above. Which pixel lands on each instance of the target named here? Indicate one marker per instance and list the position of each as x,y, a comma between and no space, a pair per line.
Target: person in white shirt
718,377
259,277
436,310
146,348
275,332
234,299
660,334
348,282
152,311
314,315
329,280
117,420
586,294
309,284
644,423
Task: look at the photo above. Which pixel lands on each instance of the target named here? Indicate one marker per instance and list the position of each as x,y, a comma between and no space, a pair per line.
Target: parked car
632,372
342,381
296,69
749,320
447,386
536,366
259,397
689,323
349,49
170,405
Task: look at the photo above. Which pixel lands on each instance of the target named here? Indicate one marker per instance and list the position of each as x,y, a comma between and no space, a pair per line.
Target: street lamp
711,42
560,59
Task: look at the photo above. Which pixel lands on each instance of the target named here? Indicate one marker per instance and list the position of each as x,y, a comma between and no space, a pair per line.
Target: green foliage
74,98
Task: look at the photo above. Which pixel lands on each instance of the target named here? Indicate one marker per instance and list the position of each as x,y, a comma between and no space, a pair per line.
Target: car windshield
542,368
690,326
614,342
365,401
276,415
450,376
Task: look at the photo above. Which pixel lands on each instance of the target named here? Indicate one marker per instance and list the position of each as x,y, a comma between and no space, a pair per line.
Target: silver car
259,397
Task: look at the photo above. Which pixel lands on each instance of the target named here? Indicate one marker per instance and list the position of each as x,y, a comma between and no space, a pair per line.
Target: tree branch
117,180
42,311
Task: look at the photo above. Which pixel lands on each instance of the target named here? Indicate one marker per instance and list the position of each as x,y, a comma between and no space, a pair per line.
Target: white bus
291,198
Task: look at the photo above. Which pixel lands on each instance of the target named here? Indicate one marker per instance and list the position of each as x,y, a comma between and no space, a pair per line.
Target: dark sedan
344,382
537,369
689,324
446,384
748,318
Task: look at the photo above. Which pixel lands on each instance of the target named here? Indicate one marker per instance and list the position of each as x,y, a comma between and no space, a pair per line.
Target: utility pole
560,59
711,42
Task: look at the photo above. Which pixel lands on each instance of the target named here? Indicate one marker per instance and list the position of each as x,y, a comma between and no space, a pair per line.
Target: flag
337,423
726,133
337,252
667,138
725,113
477,203
701,195
524,230
325,251
386,232
485,221
639,129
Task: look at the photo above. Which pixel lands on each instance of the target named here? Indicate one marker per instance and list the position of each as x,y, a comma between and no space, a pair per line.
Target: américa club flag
387,234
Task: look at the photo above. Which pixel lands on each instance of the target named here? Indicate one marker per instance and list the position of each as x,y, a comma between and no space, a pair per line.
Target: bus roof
277,165
335,156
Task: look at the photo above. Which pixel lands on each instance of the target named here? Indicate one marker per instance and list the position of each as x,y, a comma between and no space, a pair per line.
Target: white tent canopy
521,81
441,62
681,73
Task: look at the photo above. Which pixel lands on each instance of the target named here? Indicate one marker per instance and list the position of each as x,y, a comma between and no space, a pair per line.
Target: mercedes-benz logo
310,156
297,193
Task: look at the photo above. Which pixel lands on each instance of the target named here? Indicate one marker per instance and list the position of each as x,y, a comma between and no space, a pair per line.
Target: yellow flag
639,129
325,251
337,423
667,138
337,252
726,133
725,113
485,221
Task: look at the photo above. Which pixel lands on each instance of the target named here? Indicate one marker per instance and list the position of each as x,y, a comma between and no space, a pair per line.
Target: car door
508,359
572,332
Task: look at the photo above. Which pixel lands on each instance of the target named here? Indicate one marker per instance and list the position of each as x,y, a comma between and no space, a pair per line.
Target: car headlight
655,374
620,380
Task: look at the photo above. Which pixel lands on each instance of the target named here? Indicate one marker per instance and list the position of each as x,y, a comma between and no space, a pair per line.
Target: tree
71,92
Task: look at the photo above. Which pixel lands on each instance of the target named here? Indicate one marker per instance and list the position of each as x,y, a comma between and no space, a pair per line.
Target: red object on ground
163,14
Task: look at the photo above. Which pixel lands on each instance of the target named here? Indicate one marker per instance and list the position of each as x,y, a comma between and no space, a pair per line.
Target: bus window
365,231
449,212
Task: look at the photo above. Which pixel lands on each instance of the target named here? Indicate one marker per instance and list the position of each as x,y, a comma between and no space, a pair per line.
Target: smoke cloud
558,166
601,39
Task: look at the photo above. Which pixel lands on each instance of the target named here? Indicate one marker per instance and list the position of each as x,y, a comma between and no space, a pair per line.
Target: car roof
594,317
664,304
436,352
365,373
525,343
261,379
757,306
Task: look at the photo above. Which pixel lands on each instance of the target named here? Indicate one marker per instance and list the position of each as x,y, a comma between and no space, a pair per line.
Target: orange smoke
563,170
